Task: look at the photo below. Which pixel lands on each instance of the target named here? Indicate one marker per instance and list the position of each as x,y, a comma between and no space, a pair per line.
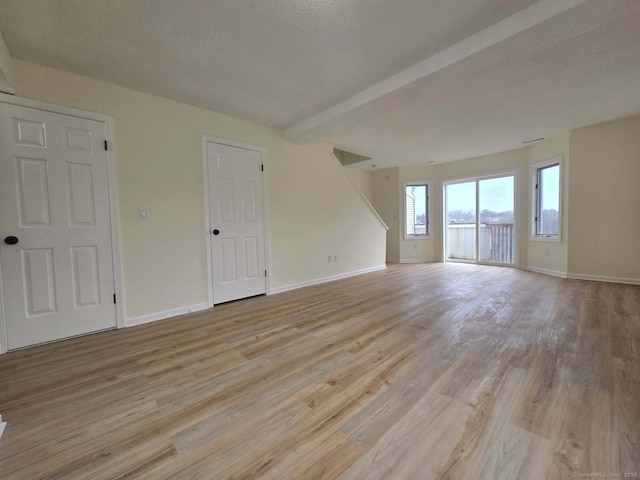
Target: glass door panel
496,228
461,221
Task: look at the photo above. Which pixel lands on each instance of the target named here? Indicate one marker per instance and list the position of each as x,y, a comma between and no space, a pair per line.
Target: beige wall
550,256
6,68
314,209
604,200
363,180
385,201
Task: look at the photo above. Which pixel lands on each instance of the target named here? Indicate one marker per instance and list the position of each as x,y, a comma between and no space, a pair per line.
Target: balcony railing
497,242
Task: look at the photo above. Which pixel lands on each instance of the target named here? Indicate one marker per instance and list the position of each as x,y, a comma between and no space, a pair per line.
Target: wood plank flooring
437,371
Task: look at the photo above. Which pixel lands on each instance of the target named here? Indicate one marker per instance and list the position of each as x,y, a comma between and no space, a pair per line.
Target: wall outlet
143,214
329,259
335,258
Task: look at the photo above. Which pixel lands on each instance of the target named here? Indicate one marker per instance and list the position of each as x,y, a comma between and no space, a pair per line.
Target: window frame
535,199
416,183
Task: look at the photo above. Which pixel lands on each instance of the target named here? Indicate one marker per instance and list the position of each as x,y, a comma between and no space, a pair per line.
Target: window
546,202
416,210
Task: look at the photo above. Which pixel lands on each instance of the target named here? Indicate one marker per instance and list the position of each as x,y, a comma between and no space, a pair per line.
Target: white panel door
57,280
236,208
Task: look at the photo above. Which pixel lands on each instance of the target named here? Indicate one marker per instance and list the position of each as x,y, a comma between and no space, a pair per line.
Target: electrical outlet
329,259
143,214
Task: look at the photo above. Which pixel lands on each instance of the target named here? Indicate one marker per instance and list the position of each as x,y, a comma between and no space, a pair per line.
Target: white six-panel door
57,281
236,208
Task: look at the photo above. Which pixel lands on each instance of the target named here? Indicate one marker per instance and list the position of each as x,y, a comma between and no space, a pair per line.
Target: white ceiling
366,75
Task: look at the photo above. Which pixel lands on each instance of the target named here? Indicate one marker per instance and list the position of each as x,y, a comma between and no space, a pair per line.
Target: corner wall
604,201
314,209
385,201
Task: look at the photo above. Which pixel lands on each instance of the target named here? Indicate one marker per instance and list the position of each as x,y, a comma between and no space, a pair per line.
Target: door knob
216,232
11,240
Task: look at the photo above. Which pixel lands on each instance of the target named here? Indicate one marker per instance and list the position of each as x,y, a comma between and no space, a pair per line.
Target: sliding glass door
480,220
461,222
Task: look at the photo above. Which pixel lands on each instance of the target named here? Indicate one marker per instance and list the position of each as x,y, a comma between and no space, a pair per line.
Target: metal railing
497,242
501,242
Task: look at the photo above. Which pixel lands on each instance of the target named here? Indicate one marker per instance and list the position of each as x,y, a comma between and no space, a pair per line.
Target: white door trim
207,220
114,215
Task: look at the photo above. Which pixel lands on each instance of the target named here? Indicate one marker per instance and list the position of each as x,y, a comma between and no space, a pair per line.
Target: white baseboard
554,273
152,317
332,278
415,260
411,260
604,278
579,276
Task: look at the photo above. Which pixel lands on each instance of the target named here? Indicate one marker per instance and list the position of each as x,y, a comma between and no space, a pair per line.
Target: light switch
143,214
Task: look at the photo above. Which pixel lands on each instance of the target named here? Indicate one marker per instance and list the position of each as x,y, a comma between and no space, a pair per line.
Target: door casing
114,217
207,219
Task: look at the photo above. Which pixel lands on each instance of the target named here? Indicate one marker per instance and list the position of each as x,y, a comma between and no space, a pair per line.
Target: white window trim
533,174
411,183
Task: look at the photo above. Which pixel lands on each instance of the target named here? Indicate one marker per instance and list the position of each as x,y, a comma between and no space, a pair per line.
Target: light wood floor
419,371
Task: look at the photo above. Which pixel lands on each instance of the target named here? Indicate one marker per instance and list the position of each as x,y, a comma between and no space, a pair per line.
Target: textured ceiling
280,62
579,68
272,61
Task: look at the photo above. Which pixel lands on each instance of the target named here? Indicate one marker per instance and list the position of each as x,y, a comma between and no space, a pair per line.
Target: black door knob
11,240
216,232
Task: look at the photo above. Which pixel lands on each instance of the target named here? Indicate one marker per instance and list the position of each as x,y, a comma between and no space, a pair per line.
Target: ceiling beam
315,126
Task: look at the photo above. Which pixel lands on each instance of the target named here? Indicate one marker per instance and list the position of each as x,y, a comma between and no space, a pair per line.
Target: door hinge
107,145
265,273
262,167
114,298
